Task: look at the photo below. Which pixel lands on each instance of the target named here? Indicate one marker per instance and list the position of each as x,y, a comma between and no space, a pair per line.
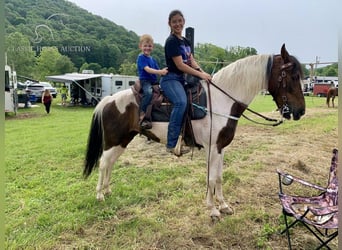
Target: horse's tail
94,146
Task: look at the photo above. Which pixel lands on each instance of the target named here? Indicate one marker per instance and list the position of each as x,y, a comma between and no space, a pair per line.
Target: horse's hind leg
107,161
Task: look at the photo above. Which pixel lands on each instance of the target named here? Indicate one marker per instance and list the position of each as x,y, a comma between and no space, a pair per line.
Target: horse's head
285,85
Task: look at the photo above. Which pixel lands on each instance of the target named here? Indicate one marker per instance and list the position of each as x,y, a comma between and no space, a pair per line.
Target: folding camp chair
319,214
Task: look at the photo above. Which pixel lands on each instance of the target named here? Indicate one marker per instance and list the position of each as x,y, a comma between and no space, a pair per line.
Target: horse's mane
245,77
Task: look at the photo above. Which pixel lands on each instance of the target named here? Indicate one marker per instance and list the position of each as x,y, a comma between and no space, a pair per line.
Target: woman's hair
174,13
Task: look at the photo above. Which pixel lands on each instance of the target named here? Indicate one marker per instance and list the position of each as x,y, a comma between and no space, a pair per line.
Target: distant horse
115,120
332,93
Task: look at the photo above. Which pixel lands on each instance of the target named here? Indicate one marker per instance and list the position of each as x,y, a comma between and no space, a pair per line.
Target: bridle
283,84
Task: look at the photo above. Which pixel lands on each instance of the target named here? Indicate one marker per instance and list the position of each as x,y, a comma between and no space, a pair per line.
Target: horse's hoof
108,192
215,219
226,210
215,214
100,197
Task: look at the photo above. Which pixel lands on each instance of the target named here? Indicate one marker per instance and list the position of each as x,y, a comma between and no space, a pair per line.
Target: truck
11,96
88,88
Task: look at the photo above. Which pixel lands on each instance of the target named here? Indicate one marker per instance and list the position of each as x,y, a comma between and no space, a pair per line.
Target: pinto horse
115,121
332,93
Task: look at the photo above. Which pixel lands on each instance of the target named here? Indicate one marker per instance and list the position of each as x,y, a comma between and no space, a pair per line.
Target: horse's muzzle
298,114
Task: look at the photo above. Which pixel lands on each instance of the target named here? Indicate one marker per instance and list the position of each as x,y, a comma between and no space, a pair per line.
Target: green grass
45,191
49,205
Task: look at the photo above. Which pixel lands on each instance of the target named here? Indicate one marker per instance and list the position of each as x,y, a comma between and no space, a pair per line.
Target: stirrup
145,124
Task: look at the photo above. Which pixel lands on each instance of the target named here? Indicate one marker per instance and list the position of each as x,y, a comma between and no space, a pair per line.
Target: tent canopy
72,77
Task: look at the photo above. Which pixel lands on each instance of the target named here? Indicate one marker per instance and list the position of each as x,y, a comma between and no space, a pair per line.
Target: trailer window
118,83
98,92
130,83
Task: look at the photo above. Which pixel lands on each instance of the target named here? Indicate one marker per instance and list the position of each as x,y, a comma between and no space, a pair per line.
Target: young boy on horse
148,70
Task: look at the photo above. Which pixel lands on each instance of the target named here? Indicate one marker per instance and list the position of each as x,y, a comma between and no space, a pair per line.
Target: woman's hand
205,76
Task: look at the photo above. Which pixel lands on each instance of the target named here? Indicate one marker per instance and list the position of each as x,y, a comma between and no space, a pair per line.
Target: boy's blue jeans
147,94
172,85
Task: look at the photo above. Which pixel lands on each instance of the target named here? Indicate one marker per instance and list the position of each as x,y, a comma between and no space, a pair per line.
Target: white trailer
91,88
11,97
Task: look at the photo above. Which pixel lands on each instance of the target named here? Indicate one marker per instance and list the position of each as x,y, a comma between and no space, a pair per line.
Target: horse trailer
11,97
89,89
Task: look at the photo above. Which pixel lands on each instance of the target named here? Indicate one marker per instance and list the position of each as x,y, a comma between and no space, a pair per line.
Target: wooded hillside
78,34
82,40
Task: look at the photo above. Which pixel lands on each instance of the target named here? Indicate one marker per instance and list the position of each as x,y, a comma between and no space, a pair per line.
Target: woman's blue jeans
172,85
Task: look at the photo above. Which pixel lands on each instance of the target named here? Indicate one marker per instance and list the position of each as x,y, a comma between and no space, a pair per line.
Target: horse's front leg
214,212
215,187
223,206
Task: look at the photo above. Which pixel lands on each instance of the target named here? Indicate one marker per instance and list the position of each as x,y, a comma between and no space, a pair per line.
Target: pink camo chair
319,214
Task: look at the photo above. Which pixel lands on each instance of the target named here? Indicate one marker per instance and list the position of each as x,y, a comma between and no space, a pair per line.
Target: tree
94,67
128,68
306,71
20,54
51,62
84,67
330,70
64,65
239,52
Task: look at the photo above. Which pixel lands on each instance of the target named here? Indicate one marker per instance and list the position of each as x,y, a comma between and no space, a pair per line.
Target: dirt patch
21,116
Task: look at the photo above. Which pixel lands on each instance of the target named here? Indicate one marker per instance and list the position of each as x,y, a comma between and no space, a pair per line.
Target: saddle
160,107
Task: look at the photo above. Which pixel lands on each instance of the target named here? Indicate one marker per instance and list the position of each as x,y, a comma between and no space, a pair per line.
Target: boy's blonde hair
146,38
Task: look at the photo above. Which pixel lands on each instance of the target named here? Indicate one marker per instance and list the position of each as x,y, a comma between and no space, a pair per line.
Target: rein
277,122
284,109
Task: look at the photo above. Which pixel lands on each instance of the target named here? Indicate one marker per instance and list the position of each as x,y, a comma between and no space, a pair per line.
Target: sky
309,28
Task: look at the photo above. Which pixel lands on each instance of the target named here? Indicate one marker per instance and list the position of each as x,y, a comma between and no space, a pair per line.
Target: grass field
158,201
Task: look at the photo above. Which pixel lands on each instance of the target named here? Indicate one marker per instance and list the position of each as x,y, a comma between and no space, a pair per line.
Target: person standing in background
47,100
64,94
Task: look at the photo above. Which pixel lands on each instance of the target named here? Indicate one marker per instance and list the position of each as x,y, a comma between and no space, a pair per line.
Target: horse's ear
284,54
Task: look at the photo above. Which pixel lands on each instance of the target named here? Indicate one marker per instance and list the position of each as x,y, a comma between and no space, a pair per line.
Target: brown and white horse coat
116,118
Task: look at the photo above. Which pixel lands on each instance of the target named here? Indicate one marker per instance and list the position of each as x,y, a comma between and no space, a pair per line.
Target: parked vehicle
48,86
36,90
321,89
89,89
11,98
322,84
